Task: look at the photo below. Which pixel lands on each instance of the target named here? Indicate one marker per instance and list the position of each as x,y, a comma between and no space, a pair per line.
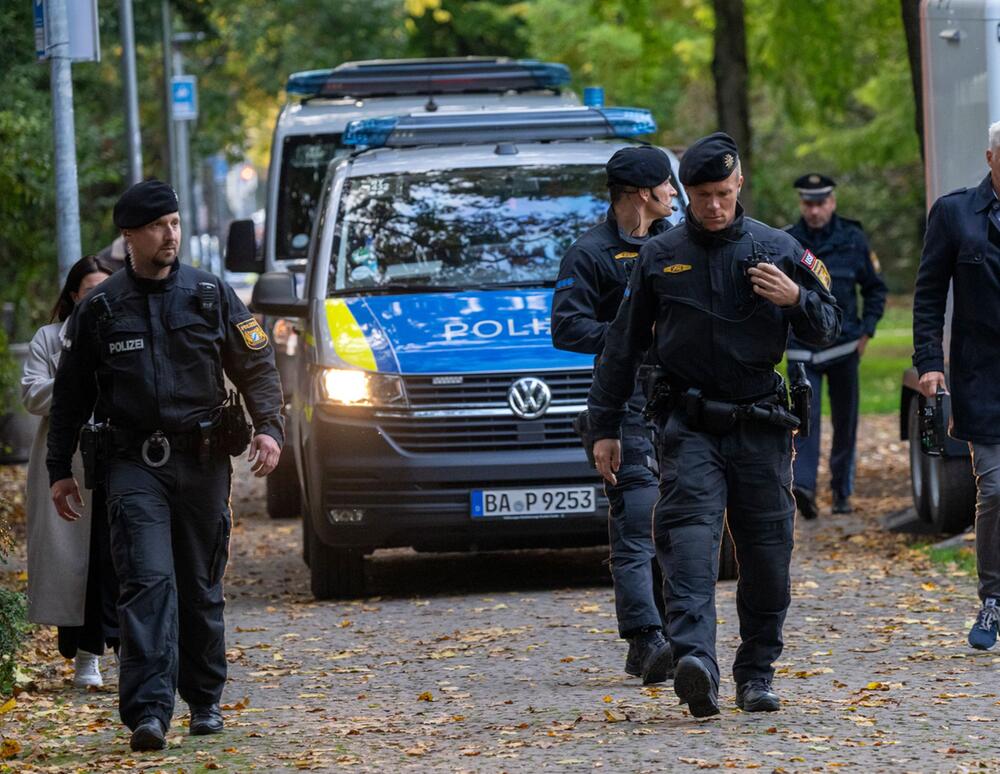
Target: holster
95,440
801,391
720,417
232,431
581,426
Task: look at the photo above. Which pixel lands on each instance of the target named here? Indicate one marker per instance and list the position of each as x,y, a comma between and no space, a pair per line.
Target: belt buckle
159,440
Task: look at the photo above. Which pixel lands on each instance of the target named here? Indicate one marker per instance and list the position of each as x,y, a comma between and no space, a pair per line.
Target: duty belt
156,447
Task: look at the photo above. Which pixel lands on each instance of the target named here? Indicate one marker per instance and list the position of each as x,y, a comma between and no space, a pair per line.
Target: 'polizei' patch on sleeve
817,267
253,335
566,282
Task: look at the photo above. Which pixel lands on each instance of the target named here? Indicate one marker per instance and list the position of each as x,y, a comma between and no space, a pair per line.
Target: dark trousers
100,616
630,529
842,382
744,475
170,540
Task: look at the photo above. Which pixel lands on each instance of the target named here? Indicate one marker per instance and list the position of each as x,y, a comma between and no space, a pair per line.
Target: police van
308,136
431,409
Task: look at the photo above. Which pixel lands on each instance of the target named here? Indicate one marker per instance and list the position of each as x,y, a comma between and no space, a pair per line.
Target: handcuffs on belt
159,440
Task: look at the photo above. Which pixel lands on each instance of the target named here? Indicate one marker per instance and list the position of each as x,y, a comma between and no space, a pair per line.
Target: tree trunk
911,26
729,69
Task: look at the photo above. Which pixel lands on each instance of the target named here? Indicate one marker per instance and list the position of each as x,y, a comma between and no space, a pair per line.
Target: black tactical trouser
630,526
746,475
170,541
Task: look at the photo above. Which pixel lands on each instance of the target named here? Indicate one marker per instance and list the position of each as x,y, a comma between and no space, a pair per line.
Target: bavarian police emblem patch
816,266
875,264
253,335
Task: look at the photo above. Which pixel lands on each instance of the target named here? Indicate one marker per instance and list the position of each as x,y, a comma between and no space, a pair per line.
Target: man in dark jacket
715,298
593,276
962,249
146,354
842,246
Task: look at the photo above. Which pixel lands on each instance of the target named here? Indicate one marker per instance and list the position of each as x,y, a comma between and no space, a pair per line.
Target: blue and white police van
431,409
308,135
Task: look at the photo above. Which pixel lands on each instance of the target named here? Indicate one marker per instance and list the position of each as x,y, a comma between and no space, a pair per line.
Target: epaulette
955,192
852,222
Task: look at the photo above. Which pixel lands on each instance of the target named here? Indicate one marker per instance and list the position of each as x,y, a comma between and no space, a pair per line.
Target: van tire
306,538
284,500
919,463
729,569
951,493
335,573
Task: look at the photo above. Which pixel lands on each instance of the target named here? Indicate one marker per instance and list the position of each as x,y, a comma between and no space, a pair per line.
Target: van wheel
919,462
284,501
951,493
335,573
306,537
728,568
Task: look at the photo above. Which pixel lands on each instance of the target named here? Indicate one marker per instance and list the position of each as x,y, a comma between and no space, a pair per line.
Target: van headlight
351,387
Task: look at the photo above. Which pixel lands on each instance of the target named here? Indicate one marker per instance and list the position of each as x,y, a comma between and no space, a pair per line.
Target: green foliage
8,383
13,626
467,27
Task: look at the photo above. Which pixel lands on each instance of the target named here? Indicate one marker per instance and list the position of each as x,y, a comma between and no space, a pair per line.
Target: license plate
532,503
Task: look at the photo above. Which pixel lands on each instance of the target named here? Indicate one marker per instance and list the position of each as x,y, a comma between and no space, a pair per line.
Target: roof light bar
569,123
428,76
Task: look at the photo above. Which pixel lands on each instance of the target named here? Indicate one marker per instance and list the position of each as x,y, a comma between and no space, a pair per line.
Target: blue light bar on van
569,123
400,77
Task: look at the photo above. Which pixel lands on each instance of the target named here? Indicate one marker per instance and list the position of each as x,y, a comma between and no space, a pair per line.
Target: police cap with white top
143,203
814,187
709,160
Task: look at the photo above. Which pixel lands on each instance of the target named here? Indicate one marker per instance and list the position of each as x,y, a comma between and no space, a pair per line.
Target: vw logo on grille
529,397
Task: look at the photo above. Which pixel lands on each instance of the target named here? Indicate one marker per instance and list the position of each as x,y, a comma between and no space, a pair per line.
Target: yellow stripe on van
348,339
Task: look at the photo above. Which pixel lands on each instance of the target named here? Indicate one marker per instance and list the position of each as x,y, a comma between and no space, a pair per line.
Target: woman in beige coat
71,582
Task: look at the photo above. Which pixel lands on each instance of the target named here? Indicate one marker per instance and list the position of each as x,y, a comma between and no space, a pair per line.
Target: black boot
655,659
756,696
205,720
805,501
842,504
148,735
694,686
633,664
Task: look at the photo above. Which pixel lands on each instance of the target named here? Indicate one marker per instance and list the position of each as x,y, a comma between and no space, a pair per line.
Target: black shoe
633,664
148,735
805,501
656,661
842,504
694,686
205,720
756,696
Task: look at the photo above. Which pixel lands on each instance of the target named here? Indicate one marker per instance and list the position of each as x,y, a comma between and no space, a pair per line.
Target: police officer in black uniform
842,246
593,276
147,355
715,297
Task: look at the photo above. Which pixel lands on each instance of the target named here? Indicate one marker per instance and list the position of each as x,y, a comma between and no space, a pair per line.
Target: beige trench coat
58,550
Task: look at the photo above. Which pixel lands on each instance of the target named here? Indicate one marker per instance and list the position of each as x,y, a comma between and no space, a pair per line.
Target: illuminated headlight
349,387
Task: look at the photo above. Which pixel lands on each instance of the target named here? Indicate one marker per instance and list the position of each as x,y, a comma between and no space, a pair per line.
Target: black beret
709,159
143,203
641,166
814,187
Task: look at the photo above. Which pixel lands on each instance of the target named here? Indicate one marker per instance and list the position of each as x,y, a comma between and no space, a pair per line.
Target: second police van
430,408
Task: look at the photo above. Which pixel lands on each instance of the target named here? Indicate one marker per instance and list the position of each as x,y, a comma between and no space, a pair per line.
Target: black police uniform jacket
962,245
711,331
155,357
593,276
844,250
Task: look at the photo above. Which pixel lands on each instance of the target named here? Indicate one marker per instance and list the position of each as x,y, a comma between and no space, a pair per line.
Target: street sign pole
184,108
133,136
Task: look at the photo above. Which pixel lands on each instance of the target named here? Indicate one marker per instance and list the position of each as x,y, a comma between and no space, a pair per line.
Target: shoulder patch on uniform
874,259
817,267
253,335
566,282
625,255
677,268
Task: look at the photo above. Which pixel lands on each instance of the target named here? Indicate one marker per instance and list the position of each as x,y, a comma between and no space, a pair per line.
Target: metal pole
64,133
134,138
182,182
168,33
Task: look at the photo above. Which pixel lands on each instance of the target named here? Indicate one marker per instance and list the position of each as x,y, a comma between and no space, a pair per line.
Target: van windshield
304,160
463,228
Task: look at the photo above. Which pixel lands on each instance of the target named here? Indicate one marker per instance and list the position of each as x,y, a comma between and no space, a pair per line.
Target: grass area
960,558
885,359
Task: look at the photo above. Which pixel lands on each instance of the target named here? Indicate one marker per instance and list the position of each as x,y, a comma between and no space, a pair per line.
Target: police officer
715,297
841,244
592,279
962,250
147,355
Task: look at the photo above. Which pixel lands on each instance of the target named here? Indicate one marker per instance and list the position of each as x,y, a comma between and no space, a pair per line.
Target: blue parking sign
184,97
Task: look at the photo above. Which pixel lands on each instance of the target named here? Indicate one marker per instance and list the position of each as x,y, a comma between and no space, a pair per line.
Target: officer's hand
264,453
64,491
772,283
930,382
863,343
608,458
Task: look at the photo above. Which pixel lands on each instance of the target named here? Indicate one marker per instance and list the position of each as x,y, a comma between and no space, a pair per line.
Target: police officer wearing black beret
842,246
593,276
147,356
715,297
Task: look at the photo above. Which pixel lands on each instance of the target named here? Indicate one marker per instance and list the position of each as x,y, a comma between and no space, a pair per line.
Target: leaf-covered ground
510,662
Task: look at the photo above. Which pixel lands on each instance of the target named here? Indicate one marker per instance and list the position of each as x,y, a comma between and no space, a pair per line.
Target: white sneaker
87,670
